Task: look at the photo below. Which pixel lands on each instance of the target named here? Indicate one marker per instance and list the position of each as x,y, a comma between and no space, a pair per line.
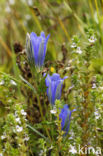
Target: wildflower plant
65,116
54,86
36,48
40,121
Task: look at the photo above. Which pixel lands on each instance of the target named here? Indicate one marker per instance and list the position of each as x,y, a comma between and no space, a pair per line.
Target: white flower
18,120
53,111
26,138
97,115
1,154
8,9
30,2
2,82
3,137
101,88
12,2
13,82
92,39
16,113
41,153
72,150
23,112
28,17
19,129
10,100
70,61
94,85
79,51
67,68
73,45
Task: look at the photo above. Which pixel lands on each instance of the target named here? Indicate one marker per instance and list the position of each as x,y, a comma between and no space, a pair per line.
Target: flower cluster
36,51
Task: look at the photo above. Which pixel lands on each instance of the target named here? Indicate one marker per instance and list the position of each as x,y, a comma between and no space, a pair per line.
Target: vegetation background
62,19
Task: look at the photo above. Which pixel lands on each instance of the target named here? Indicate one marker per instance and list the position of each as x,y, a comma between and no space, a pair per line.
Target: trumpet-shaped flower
65,117
36,48
54,85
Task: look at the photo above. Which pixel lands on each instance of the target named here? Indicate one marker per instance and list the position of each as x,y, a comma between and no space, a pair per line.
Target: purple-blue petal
65,117
42,34
65,77
54,85
38,48
47,38
33,35
55,77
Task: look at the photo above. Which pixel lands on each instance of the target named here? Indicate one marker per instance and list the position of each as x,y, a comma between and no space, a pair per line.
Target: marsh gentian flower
54,85
36,48
65,116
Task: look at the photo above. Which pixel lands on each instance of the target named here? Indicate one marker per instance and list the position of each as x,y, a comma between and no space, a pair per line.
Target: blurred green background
61,18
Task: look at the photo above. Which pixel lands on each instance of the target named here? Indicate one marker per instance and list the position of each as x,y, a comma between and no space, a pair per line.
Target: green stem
40,106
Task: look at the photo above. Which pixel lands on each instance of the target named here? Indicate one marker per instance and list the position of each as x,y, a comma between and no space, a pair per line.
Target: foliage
29,124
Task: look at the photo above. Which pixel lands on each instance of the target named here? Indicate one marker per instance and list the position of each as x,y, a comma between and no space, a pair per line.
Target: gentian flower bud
65,116
36,48
54,85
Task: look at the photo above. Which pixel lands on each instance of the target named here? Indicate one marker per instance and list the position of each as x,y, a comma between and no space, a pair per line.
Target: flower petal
55,77
42,34
47,38
59,89
33,35
65,77
65,116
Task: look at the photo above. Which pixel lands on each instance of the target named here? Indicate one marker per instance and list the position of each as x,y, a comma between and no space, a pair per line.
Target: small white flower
70,138
79,51
67,68
16,113
53,111
23,112
97,115
28,17
12,2
13,82
72,150
2,82
30,2
101,88
92,39
3,137
70,61
10,100
1,154
19,129
26,138
41,153
73,45
18,120
8,9
94,86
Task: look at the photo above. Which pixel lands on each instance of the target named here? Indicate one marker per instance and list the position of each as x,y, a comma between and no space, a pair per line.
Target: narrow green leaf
31,87
32,128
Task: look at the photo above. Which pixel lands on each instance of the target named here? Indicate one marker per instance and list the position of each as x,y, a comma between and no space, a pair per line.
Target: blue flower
54,85
65,116
36,48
